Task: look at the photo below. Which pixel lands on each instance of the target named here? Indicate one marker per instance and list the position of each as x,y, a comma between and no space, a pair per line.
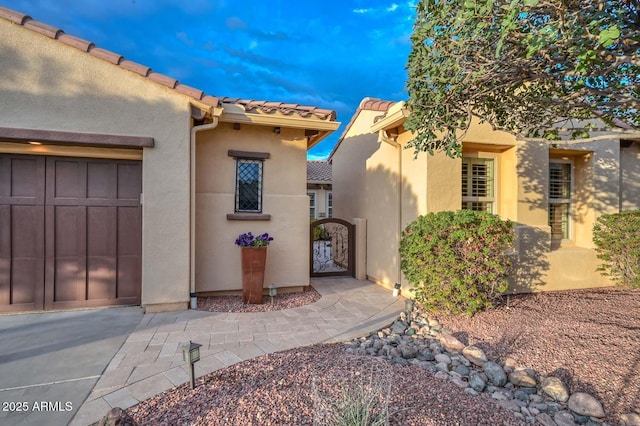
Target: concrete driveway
49,362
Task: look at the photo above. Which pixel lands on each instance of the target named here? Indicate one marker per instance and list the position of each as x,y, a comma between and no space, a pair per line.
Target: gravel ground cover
280,301
589,339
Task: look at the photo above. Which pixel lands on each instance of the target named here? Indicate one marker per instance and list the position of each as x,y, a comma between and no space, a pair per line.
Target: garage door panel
101,231
26,233
26,178
102,180
129,181
69,279
25,276
21,257
129,276
70,232
66,178
101,271
129,231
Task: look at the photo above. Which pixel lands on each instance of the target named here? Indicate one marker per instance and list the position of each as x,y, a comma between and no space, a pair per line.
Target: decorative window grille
248,186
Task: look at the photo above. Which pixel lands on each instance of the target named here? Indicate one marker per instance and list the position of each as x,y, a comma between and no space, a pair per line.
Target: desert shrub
617,240
457,262
356,393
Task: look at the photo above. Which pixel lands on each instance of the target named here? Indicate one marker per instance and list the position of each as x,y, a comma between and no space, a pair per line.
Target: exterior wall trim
248,216
75,138
248,155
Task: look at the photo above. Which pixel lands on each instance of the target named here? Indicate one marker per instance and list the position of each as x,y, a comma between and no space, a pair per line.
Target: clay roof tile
76,42
107,55
143,70
163,79
42,28
13,16
189,91
210,100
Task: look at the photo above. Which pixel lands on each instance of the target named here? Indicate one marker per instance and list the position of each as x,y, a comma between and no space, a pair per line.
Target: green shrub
320,233
457,262
617,240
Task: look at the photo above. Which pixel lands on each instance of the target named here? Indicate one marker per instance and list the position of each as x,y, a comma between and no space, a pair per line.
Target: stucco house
553,191
319,189
120,185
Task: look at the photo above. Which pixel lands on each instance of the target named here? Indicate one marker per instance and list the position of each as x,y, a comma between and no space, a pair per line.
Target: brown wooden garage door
70,232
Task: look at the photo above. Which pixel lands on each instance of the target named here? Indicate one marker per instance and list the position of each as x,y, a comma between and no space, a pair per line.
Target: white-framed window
248,185
329,204
312,205
560,198
478,184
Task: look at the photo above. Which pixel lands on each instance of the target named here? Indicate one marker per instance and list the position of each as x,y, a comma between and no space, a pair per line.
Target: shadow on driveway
49,362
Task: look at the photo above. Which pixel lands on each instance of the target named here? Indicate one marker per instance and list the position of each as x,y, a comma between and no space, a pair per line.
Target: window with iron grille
248,186
560,200
478,184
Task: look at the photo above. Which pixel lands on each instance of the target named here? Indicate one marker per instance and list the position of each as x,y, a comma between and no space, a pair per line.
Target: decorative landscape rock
522,378
475,355
117,417
630,419
495,373
585,405
451,343
421,341
553,387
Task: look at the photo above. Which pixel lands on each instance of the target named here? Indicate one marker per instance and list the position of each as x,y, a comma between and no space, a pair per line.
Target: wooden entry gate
70,232
332,248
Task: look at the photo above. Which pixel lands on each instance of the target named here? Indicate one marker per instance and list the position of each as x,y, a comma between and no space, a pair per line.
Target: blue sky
329,54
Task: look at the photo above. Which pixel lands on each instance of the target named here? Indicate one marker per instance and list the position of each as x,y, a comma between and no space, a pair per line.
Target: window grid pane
330,204
559,181
249,186
312,205
559,220
477,184
479,206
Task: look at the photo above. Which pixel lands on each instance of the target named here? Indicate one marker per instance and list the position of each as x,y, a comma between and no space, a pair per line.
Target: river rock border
422,341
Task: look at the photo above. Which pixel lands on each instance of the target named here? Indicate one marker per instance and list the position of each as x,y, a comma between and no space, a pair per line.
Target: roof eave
236,114
396,116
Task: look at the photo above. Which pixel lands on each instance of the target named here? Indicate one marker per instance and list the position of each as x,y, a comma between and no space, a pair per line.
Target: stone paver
150,361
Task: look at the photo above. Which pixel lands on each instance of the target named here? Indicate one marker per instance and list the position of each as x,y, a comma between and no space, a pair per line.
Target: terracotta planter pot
254,260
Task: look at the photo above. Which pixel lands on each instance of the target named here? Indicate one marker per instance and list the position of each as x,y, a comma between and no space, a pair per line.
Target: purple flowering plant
250,240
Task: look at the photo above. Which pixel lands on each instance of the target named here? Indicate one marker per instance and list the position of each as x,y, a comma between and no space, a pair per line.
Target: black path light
191,354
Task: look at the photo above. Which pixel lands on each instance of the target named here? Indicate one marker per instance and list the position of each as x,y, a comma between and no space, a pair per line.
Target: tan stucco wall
605,178
349,167
47,85
218,266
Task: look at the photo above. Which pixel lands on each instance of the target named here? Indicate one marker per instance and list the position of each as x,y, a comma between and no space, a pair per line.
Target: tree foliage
522,66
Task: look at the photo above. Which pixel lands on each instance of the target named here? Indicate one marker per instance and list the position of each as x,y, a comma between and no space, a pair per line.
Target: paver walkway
150,361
